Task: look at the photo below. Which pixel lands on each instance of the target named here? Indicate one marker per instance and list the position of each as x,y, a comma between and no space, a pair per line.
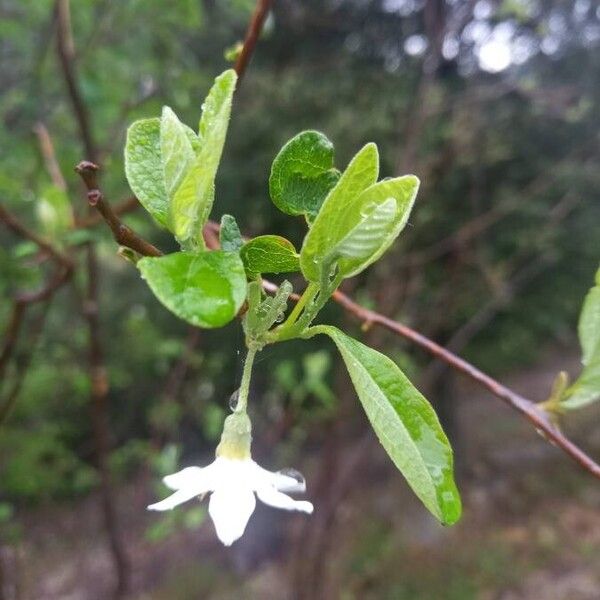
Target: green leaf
193,138
177,153
54,212
144,170
365,229
269,254
373,222
206,289
359,175
587,387
405,424
365,238
230,236
302,174
193,200
589,323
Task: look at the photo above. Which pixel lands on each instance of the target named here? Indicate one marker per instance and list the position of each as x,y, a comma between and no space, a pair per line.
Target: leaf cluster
352,219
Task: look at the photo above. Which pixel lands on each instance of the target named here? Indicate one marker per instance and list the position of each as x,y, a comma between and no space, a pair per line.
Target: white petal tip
170,481
304,506
188,477
227,542
227,536
158,506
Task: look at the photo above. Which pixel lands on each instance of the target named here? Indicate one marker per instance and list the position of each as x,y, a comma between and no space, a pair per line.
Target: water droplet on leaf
280,317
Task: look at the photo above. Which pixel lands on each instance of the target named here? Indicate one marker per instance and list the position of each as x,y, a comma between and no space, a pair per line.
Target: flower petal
198,478
282,482
179,497
230,508
272,497
285,483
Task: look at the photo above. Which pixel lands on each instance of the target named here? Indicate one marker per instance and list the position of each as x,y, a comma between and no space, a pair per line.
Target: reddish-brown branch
126,206
124,235
536,416
252,33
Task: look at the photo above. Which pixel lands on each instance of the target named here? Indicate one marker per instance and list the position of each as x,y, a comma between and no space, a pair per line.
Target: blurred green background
495,105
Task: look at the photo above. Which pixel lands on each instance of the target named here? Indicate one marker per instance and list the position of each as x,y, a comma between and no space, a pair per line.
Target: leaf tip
371,148
229,77
167,111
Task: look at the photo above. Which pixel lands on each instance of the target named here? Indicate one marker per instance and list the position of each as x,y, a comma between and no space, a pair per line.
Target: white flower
233,483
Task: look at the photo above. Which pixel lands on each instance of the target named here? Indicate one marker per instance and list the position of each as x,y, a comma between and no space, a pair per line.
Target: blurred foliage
512,152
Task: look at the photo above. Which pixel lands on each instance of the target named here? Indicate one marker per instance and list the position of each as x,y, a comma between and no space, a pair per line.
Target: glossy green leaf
587,387
230,236
405,424
365,237
359,175
193,138
373,222
363,231
177,154
192,202
206,289
302,174
144,170
269,254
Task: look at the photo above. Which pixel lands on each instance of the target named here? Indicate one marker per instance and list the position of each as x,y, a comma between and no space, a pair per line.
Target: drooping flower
233,480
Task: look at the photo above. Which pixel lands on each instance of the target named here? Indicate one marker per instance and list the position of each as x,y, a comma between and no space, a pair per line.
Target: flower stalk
242,402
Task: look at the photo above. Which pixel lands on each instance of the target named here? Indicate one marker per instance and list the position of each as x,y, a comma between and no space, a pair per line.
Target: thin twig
124,235
526,407
252,34
131,204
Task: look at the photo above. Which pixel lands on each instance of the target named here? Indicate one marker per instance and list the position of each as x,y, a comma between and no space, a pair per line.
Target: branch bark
124,235
255,26
126,206
536,416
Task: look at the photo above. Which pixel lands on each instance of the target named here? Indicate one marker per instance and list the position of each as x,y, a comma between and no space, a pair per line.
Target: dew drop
233,400
280,317
294,474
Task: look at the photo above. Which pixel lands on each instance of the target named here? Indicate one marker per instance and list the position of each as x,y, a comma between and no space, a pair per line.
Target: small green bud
236,437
